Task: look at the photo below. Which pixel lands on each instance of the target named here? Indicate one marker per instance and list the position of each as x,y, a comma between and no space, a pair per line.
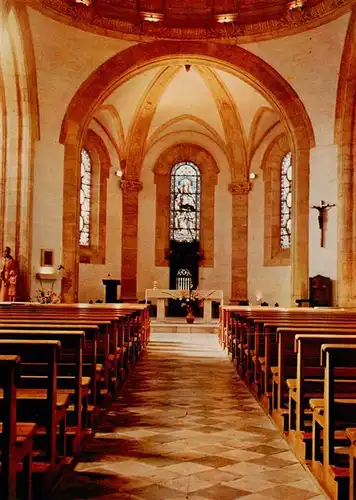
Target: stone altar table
161,295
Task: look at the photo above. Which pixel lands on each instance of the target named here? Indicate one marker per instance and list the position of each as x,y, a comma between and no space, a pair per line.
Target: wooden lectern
111,290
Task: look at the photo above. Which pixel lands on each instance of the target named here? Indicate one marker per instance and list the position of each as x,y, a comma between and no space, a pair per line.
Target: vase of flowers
190,314
191,300
47,297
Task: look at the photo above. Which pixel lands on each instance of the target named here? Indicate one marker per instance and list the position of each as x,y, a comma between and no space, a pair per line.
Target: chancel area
177,284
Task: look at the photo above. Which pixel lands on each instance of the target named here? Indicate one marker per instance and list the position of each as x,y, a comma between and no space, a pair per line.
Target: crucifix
322,209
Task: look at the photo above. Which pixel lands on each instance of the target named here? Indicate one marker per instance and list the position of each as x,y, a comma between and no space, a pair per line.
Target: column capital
243,187
131,185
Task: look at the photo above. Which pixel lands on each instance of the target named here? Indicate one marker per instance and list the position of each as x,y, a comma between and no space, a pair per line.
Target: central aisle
187,428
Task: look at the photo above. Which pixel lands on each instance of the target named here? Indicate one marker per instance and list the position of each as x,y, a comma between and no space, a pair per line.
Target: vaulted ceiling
204,104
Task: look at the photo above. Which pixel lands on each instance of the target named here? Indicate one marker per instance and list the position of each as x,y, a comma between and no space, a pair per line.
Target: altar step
179,325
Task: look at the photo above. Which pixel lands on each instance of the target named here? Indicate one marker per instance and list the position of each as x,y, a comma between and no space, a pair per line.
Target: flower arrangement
192,296
49,297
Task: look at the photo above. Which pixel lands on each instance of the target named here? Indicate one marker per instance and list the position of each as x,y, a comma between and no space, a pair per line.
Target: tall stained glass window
286,201
85,199
185,202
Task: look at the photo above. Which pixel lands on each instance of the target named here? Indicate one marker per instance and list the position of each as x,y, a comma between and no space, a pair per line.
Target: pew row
16,441
111,341
283,372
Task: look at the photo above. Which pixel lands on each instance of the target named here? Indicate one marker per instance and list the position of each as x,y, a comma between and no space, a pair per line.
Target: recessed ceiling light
152,17
87,3
296,4
226,18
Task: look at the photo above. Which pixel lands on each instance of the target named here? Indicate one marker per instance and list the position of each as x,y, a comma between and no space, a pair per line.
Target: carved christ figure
8,277
322,209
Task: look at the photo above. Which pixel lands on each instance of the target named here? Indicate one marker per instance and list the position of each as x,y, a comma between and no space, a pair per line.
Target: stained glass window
286,201
85,199
185,202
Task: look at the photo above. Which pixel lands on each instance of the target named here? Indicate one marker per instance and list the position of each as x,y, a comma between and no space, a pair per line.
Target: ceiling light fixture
187,67
152,17
87,3
226,18
296,4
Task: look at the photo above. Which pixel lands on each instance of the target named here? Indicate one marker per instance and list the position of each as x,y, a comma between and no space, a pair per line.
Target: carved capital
240,187
131,185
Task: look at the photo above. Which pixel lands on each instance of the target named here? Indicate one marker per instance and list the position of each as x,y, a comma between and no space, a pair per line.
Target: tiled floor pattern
187,428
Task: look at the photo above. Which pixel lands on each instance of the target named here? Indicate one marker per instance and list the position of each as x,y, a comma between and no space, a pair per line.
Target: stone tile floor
186,428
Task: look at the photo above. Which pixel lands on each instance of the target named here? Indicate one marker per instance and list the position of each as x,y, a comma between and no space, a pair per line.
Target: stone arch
345,138
235,59
209,176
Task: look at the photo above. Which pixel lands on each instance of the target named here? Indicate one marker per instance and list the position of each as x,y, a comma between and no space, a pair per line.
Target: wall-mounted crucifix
322,209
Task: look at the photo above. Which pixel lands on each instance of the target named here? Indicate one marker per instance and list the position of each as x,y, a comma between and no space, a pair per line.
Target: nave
186,427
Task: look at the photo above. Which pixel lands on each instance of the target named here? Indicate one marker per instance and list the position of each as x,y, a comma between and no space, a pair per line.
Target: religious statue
8,277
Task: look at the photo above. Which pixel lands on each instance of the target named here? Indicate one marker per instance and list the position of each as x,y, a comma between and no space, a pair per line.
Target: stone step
183,327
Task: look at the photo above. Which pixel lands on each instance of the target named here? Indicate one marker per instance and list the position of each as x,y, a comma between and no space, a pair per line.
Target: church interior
177,292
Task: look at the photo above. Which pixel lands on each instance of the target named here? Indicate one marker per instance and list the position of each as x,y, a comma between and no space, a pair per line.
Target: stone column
130,194
345,295
71,207
239,250
300,226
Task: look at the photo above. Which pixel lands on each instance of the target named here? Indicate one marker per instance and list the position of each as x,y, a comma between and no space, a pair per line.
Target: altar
161,295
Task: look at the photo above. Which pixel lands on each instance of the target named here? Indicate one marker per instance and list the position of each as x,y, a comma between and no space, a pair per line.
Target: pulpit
111,289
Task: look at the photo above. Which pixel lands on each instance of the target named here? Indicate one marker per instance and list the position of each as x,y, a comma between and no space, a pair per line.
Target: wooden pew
309,383
16,438
266,350
69,380
351,435
93,368
287,364
115,312
141,311
115,350
128,329
257,348
37,397
104,356
332,414
260,349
